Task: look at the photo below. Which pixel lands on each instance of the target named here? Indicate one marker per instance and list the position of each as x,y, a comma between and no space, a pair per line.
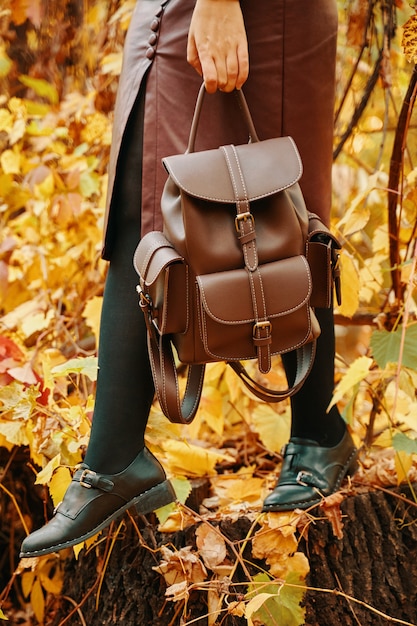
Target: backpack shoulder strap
182,411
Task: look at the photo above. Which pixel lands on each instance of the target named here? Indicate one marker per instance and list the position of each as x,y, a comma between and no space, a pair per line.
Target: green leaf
281,606
86,366
41,87
403,443
89,184
182,488
386,347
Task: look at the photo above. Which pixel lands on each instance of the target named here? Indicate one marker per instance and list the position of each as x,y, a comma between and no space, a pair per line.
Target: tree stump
370,574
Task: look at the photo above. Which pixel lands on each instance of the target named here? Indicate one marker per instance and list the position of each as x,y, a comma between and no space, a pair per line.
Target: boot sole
145,503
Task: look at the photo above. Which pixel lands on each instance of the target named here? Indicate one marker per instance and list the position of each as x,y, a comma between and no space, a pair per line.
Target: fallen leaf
331,508
211,545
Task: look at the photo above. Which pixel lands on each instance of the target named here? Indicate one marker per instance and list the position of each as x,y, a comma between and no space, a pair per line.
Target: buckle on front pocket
264,327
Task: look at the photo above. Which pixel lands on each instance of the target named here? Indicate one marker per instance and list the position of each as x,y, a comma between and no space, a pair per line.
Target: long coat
290,91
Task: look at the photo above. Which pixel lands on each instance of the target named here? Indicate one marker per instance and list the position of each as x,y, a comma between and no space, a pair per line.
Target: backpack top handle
243,105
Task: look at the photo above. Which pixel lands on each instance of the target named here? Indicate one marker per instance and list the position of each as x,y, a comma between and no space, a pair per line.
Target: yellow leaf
384,440
41,87
6,444
211,409
271,544
273,427
95,16
237,608
45,475
182,488
189,459
6,120
5,62
246,489
45,189
14,432
85,544
356,373
349,284
112,63
355,218
92,314
50,576
297,563
96,129
10,162
37,601
178,520
59,483
27,579
37,322
49,358
403,464
6,185
3,616
89,184
17,132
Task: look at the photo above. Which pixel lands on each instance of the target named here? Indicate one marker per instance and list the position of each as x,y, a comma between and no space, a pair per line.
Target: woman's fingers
217,44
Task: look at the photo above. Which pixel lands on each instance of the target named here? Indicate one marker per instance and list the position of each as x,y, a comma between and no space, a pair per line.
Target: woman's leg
124,388
320,452
119,472
310,418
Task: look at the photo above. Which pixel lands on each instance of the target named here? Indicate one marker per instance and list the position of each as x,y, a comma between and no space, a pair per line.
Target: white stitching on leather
264,195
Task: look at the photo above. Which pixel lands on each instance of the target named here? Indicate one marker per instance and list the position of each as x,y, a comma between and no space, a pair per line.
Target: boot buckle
84,478
302,476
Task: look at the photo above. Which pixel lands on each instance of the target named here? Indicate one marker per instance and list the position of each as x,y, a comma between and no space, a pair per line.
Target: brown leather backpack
238,269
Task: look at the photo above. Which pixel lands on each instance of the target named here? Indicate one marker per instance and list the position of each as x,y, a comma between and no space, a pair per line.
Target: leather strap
305,359
182,411
253,135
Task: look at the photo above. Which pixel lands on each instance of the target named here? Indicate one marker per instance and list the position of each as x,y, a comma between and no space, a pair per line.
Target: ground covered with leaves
58,71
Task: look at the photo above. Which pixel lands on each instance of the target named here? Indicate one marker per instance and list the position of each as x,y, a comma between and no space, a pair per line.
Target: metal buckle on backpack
261,326
145,300
243,217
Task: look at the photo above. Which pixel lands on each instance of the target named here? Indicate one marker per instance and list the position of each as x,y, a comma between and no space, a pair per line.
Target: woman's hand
217,45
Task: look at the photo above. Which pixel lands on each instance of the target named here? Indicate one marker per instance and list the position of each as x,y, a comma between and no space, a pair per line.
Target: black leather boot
93,501
310,472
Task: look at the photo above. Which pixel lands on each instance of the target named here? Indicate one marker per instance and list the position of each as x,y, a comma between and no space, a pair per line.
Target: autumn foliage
59,63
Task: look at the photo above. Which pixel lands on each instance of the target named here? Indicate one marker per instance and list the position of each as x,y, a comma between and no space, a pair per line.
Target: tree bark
375,564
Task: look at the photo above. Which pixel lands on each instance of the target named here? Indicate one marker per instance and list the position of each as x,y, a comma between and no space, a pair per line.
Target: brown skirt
290,91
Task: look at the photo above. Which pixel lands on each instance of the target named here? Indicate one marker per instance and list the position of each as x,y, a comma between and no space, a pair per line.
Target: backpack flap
163,287
200,205
268,167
